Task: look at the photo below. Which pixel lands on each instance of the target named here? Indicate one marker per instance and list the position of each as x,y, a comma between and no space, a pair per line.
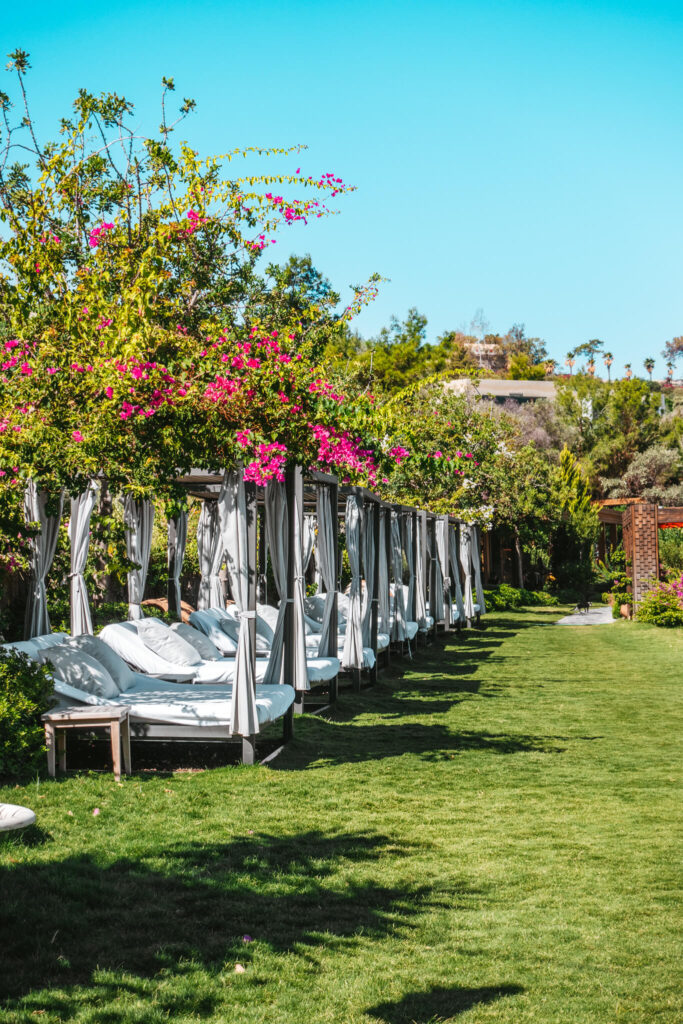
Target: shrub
24,691
663,605
507,598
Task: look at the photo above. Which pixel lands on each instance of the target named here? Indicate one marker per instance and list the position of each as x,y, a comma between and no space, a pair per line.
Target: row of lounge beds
231,670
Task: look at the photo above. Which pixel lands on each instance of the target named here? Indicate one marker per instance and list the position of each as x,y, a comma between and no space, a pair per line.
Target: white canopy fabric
442,566
437,609
352,656
455,575
368,556
79,537
398,626
326,551
138,520
210,554
298,632
233,522
466,563
384,609
476,565
177,539
277,532
308,539
410,560
42,552
420,598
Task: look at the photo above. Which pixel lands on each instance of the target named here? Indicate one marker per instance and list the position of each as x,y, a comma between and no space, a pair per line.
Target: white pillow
207,651
80,670
161,639
231,628
123,676
209,626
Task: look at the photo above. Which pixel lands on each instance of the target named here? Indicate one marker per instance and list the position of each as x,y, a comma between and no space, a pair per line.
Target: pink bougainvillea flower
95,812
77,436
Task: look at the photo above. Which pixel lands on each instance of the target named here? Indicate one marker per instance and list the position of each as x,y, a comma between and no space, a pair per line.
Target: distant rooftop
502,390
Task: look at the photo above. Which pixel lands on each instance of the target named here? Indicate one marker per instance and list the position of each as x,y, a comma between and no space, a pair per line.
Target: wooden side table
91,717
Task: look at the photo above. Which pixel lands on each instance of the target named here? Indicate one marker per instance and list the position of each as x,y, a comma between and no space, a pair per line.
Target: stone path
597,616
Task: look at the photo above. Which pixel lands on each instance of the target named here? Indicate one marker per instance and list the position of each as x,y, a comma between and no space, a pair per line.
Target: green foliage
24,690
508,598
661,607
671,549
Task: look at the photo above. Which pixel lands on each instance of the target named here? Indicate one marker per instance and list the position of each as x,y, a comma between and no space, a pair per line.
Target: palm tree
628,372
649,365
608,359
590,365
550,367
670,370
570,361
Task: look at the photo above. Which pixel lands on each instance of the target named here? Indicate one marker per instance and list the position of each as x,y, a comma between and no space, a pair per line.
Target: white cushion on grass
95,647
161,639
201,643
123,638
80,670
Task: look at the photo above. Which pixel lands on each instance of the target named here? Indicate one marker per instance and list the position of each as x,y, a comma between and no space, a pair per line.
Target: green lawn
493,835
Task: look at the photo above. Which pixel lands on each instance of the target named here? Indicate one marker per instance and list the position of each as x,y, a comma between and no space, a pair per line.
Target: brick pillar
641,544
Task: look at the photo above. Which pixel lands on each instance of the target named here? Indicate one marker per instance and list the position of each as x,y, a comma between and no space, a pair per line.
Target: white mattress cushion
161,639
321,670
155,700
78,669
123,676
201,643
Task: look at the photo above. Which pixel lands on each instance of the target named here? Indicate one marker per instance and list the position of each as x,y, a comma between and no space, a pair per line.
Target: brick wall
641,545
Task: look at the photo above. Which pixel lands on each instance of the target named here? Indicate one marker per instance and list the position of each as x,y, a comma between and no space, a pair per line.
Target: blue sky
520,158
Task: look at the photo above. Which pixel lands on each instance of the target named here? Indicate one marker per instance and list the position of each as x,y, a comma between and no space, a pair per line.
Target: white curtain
384,610
476,564
420,598
437,610
368,552
326,552
308,539
466,563
352,656
410,560
232,506
442,566
177,539
455,573
277,532
79,537
298,632
210,550
138,520
398,632
42,552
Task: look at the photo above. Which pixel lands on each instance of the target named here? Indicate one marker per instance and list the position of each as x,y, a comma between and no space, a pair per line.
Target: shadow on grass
67,922
439,1004
322,743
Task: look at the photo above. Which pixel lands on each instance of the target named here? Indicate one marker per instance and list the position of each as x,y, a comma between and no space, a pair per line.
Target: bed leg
355,674
249,749
334,689
298,704
288,724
